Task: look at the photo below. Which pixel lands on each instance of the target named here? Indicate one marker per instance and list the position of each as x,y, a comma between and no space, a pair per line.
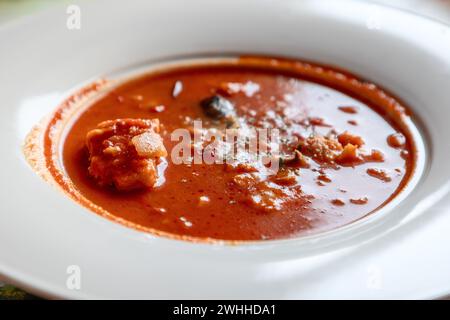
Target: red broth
322,108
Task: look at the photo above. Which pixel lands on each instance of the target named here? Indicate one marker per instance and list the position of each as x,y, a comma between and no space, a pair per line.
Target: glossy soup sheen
214,201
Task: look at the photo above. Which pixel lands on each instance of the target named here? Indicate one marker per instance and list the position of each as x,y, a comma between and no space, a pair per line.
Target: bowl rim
39,287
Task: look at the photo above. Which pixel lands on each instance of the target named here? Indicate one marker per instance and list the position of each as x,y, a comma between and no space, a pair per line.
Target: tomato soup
343,151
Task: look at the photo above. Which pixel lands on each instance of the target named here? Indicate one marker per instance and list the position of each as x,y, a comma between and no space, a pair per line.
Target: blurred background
14,9
436,9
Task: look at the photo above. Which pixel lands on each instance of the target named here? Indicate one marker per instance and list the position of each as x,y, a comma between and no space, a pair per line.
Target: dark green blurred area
11,9
8,292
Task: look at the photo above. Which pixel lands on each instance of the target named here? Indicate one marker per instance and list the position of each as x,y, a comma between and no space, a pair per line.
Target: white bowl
399,252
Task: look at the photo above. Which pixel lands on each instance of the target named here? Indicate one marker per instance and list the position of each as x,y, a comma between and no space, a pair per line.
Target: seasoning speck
186,222
177,88
203,200
159,108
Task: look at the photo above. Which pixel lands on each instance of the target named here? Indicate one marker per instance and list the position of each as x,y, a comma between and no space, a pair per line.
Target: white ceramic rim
358,232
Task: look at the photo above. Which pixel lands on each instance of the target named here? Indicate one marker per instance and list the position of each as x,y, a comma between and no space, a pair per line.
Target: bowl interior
374,42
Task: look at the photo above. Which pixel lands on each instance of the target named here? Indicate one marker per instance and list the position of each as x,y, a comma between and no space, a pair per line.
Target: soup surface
343,150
